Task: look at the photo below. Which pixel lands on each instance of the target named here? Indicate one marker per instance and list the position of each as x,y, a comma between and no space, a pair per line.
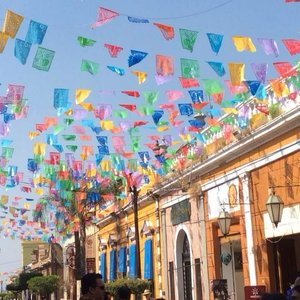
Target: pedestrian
92,287
147,295
124,293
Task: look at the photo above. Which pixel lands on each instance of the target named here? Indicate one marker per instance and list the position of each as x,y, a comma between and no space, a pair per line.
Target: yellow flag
33,134
12,23
236,71
280,88
4,199
3,40
105,165
26,205
140,75
87,106
243,43
230,110
39,191
107,124
162,128
39,148
81,95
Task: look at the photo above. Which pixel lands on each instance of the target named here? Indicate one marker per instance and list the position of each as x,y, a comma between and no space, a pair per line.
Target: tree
44,286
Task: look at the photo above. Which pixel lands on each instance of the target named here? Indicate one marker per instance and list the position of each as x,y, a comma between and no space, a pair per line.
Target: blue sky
69,19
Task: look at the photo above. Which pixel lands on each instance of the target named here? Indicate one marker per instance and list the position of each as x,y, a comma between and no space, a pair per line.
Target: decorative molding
102,244
113,239
130,233
147,229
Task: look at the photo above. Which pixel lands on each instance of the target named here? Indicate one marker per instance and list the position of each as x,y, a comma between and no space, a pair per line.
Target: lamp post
224,221
274,206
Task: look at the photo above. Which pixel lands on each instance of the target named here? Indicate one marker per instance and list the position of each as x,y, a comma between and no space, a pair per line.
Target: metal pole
135,194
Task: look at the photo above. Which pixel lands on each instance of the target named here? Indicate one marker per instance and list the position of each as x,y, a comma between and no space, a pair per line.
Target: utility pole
135,196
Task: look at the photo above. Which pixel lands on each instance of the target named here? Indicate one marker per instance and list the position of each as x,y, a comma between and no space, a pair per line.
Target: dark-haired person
92,287
124,293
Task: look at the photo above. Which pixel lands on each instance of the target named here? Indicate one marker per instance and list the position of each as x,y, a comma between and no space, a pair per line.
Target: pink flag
188,82
174,95
103,16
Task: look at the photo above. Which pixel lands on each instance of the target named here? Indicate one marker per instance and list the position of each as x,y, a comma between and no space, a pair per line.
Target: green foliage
25,277
10,296
14,287
43,285
137,286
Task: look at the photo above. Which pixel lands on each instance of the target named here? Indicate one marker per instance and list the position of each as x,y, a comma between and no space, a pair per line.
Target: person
92,287
272,296
124,293
296,289
147,295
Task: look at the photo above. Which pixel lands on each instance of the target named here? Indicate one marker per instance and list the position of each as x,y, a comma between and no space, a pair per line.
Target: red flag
188,82
139,123
41,127
285,69
131,93
293,46
131,107
287,1
113,50
167,31
199,106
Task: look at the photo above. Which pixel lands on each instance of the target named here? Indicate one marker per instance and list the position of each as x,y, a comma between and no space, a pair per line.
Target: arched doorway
184,267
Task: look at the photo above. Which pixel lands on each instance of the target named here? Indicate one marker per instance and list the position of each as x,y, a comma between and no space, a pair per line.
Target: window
112,265
148,260
122,260
132,258
103,265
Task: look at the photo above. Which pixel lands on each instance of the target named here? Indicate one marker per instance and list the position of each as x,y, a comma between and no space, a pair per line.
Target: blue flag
22,49
215,41
36,32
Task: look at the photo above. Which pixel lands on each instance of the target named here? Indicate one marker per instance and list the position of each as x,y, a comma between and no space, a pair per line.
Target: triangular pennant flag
260,71
103,16
137,20
236,71
253,86
12,23
174,95
285,69
131,93
166,30
142,76
243,43
188,38
186,109
119,71
156,116
81,95
83,41
43,59
217,67
131,107
22,49
215,41
293,46
269,46
113,50
136,57
211,86
189,68
150,97
89,66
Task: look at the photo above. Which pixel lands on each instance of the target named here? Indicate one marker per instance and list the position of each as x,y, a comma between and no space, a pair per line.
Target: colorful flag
12,23
243,43
215,41
113,50
164,65
136,57
260,71
236,71
22,49
269,46
117,70
293,46
3,40
43,59
188,38
217,67
166,30
188,82
285,69
137,20
89,66
103,16
189,68
83,41
36,32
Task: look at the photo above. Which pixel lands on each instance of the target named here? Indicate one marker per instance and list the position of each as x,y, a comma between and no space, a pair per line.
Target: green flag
89,66
189,68
212,86
151,97
188,38
43,59
72,148
83,41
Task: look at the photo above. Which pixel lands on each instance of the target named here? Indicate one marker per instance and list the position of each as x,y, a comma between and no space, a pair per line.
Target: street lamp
274,206
224,221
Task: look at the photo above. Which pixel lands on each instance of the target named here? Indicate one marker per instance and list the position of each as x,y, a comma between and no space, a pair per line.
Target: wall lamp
224,221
